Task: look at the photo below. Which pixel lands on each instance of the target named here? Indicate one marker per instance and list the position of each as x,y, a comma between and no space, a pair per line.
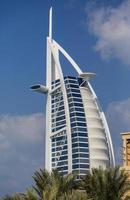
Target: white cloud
29,127
21,150
111,26
118,115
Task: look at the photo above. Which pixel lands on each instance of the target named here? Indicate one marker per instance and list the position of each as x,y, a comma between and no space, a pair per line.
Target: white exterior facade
77,134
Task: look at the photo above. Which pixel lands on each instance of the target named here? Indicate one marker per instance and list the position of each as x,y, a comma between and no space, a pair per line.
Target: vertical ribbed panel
98,144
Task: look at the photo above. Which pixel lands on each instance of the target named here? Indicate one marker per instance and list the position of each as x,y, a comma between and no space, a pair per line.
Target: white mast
50,23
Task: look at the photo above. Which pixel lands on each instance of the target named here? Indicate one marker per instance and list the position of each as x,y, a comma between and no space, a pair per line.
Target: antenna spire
50,23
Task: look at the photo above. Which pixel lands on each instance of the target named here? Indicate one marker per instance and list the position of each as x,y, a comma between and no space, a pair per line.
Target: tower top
50,23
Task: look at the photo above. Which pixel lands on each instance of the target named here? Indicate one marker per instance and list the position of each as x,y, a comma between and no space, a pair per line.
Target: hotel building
77,134
126,151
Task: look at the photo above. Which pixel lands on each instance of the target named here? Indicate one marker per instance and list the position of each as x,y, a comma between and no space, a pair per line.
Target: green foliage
109,184
13,197
98,184
30,195
53,186
75,195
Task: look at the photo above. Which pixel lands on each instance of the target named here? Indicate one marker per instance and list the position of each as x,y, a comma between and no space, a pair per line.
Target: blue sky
96,35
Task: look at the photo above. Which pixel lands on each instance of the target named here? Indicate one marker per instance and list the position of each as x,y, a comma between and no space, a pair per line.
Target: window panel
84,161
62,168
84,150
84,166
75,166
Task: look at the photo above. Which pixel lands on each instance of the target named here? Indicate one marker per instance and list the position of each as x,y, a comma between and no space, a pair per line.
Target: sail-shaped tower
77,134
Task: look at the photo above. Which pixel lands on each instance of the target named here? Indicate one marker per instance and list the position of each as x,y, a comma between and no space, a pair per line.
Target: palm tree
13,197
53,186
75,195
108,184
30,195
7,197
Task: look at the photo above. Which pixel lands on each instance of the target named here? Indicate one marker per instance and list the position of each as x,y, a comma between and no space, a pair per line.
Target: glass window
83,134
79,109
73,119
84,166
72,114
75,161
63,158
80,114
80,119
75,139
57,109
53,144
73,124
81,124
75,150
53,164
82,129
58,148
74,135
78,124
52,101
61,142
53,149
75,145
76,95
53,154
60,118
70,77
58,113
55,81
64,147
75,155
61,108
61,138
83,139
60,123
73,91
75,166
77,100
72,99
71,104
83,155
64,152
73,86
62,163
53,139
84,161
80,80
83,145
84,150
53,159
77,114
79,144
62,168
71,81
58,128
72,109
79,134
57,104
69,95
78,104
